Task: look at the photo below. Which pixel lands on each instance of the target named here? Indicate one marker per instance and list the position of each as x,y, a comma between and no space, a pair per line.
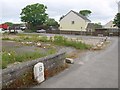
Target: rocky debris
27,43
38,44
69,60
14,64
100,45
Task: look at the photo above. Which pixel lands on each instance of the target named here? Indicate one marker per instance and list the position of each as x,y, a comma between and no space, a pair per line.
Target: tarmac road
97,69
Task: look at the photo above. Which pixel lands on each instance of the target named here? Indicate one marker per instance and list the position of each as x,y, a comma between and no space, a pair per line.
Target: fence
9,75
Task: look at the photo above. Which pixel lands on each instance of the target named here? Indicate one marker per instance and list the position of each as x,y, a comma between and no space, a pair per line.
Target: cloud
102,10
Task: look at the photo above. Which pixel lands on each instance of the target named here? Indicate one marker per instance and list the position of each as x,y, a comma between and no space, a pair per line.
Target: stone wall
95,33
51,63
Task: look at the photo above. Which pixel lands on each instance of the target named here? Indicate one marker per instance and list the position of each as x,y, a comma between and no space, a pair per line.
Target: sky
102,10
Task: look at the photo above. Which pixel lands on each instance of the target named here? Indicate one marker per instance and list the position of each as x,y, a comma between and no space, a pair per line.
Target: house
90,27
73,23
4,26
109,25
108,30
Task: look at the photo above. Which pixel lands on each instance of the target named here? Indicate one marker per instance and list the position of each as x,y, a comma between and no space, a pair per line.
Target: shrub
43,39
60,40
12,56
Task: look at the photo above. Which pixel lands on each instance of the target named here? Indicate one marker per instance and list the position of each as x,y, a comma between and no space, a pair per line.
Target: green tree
10,24
97,25
52,22
34,15
85,12
117,20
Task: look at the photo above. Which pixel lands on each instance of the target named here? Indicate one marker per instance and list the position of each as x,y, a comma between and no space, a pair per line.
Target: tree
117,20
10,24
85,12
34,15
97,25
52,22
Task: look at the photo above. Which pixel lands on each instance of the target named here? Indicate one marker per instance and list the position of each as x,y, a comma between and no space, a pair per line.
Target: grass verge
11,56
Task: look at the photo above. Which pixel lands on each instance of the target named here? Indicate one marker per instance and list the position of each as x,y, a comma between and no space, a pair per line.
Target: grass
57,40
60,40
9,57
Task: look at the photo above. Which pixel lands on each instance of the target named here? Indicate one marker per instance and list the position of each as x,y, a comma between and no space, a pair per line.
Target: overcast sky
102,10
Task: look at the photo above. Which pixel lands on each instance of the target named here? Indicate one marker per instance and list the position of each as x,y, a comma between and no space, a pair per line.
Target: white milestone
39,72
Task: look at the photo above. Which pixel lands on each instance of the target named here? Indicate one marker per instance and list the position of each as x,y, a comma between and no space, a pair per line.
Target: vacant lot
16,52
22,47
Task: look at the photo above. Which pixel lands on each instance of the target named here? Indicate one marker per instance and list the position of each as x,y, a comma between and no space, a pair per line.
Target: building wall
79,23
109,25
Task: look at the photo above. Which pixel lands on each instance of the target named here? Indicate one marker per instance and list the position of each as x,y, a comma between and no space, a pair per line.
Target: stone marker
39,72
69,60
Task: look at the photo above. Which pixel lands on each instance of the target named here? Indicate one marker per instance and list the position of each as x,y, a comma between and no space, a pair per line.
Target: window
73,22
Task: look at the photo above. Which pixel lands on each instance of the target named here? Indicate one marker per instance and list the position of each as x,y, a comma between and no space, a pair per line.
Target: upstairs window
73,22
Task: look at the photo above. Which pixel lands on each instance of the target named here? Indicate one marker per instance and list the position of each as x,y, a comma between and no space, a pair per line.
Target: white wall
79,23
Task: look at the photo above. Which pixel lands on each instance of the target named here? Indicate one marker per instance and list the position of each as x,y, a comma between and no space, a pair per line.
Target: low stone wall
51,63
95,33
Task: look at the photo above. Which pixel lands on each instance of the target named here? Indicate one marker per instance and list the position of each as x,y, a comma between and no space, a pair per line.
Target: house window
73,22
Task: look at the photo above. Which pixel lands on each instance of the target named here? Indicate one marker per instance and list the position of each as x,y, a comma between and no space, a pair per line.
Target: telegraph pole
118,6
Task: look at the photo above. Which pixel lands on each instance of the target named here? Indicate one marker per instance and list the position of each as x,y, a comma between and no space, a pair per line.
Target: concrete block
69,60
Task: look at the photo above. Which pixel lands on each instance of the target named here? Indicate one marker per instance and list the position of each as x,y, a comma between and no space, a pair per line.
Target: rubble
69,60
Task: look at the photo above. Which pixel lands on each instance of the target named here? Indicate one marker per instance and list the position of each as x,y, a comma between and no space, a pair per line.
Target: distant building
4,26
108,30
73,22
109,25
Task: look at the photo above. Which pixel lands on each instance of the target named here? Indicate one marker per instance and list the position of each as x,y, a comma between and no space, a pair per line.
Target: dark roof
90,26
83,17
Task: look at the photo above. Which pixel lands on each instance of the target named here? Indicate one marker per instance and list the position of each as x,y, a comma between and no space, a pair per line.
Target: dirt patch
75,54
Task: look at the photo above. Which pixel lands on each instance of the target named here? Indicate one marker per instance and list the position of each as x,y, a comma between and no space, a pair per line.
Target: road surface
98,69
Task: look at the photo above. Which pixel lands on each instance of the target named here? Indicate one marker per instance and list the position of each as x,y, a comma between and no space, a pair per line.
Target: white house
73,22
109,25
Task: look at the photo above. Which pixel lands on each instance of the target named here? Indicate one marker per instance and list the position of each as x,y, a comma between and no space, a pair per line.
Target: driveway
98,69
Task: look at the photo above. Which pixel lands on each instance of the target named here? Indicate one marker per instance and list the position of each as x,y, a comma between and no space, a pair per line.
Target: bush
60,40
43,39
12,56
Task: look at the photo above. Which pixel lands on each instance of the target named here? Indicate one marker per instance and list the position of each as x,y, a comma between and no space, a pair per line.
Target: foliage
117,20
9,24
6,38
43,39
34,15
9,57
98,25
52,22
60,40
85,12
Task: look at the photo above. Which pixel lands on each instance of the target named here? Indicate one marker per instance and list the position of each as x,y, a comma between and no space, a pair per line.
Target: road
98,69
